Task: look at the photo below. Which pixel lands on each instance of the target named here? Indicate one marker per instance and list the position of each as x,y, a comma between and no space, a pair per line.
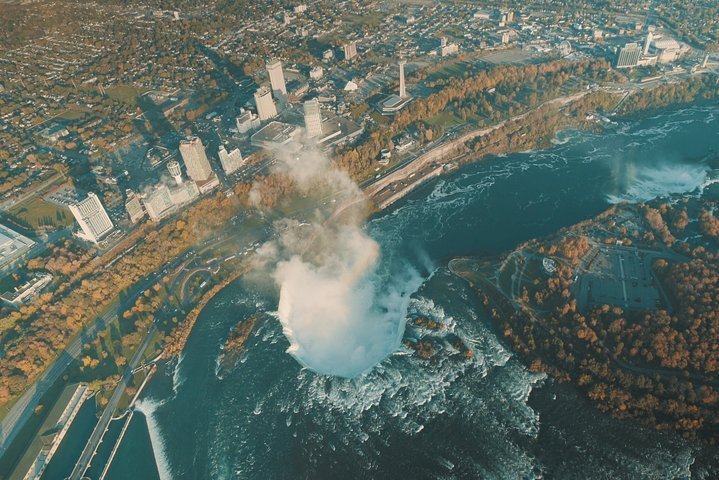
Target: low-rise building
276,135
12,245
24,293
133,207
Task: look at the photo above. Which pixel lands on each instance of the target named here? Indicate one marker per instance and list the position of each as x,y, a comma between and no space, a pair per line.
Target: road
91,446
23,409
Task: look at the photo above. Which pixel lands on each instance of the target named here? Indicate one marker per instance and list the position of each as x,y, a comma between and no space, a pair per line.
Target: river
450,417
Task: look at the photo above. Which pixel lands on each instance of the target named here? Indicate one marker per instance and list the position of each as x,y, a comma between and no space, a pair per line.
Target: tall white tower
195,158
265,105
647,43
313,118
277,78
402,90
174,167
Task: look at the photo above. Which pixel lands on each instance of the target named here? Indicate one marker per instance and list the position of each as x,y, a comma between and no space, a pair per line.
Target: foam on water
148,407
652,182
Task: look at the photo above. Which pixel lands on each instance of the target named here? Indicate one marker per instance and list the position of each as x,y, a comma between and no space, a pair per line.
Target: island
624,306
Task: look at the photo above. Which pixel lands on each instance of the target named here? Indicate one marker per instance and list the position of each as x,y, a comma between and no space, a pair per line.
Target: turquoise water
485,417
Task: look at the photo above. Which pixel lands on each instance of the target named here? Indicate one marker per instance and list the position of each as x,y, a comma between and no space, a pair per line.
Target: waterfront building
195,158
92,218
313,118
277,78
231,161
629,56
42,449
265,105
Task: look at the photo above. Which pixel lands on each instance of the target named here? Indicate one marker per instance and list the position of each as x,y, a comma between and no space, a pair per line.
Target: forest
657,366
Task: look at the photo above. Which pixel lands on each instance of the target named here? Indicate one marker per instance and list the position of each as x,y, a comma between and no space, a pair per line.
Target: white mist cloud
637,183
340,314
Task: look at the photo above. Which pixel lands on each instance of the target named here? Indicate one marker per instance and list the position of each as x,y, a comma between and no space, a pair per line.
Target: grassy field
452,70
372,20
445,119
36,213
125,93
74,113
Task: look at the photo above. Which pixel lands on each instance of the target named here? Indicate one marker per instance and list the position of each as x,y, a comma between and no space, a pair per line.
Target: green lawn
37,213
125,93
453,69
74,113
445,119
372,20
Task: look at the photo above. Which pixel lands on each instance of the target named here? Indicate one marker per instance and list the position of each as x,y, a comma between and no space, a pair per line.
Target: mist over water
636,183
447,417
341,314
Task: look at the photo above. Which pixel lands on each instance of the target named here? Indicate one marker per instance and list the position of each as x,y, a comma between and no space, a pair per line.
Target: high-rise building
350,50
647,43
629,56
402,89
265,105
277,78
92,218
174,168
313,118
231,161
195,158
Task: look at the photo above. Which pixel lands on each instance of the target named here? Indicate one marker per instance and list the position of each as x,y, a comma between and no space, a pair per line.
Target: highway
91,446
23,409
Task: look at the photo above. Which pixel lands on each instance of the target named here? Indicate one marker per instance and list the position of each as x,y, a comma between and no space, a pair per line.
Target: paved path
101,427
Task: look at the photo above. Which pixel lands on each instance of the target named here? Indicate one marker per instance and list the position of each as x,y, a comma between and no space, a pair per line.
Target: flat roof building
25,292
277,78
275,135
350,50
133,207
12,245
92,218
313,118
265,105
231,161
629,56
195,158
158,203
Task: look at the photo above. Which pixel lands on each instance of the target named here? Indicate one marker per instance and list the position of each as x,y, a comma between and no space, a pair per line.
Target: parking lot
618,276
